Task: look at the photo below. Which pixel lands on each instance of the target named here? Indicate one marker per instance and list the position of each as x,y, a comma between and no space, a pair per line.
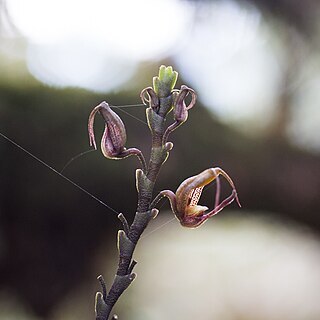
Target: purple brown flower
180,109
114,136
184,202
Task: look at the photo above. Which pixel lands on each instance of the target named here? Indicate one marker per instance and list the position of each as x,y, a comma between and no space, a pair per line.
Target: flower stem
127,239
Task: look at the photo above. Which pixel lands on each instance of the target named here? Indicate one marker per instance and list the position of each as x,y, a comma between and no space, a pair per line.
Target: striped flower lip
184,202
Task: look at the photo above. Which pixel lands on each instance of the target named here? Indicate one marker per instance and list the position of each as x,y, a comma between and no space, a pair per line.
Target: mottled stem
146,178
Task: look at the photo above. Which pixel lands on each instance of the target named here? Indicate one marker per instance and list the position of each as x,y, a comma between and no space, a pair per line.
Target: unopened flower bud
164,83
114,135
180,109
148,95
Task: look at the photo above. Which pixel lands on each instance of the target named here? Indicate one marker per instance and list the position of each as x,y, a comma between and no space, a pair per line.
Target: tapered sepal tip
132,276
162,71
154,213
99,297
169,146
237,199
155,82
169,69
174,79
100,305
124,243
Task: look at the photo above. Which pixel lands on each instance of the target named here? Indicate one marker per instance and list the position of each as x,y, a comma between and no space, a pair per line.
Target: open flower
184,202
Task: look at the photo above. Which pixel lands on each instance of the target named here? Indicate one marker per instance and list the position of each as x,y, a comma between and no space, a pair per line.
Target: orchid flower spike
184,202
159,97
114,136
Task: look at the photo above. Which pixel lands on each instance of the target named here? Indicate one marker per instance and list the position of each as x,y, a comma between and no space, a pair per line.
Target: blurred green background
256,68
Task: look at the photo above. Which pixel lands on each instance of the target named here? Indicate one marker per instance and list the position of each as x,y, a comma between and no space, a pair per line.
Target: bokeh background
256,68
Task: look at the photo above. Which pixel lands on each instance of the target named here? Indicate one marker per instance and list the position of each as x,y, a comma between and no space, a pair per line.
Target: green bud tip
162,71
156,84
167,78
